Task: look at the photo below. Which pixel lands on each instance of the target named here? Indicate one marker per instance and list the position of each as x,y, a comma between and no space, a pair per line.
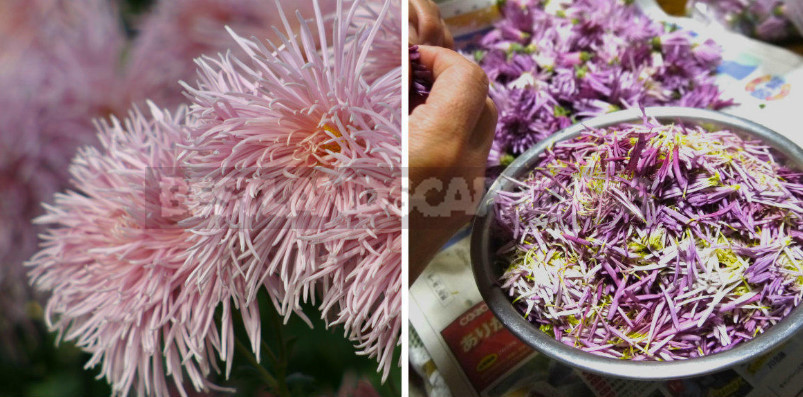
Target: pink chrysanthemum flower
57,72
296,160
113,262
54,78
178,31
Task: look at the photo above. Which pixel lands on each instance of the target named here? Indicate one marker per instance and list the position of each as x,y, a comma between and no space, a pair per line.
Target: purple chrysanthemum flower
552,63
296,158
113,262
654,242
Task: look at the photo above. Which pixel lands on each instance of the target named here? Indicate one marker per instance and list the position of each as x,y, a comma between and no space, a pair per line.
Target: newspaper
765,81
477,357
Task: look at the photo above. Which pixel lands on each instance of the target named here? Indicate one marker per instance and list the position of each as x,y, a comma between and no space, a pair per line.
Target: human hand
427,26
450,136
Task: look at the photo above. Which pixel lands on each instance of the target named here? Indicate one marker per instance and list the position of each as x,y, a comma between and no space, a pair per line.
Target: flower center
332,146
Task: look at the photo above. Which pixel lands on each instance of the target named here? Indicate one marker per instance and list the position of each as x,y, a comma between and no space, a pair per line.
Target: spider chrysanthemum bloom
296,158
113,262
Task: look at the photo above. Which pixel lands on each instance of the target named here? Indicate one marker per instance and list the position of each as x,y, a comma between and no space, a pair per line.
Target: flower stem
266,376
281,363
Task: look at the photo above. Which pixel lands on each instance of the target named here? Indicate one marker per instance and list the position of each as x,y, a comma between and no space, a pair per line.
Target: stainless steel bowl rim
486,275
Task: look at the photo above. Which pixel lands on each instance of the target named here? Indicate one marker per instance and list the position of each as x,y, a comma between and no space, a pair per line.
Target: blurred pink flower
296,160
178,31
113,262
353,387
57,72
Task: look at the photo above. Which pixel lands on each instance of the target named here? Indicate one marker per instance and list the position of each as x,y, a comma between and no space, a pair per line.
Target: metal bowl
487,272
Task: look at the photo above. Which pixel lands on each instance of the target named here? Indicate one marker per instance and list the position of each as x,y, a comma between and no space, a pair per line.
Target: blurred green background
317,361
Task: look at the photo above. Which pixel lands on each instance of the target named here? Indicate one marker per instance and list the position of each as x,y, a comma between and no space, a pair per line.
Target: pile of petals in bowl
764,19
654,242
554,62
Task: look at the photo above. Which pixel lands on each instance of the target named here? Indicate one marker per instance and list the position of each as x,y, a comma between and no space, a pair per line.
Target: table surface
677,7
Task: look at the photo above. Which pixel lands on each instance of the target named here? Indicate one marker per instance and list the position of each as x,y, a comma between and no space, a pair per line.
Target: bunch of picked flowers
552,63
